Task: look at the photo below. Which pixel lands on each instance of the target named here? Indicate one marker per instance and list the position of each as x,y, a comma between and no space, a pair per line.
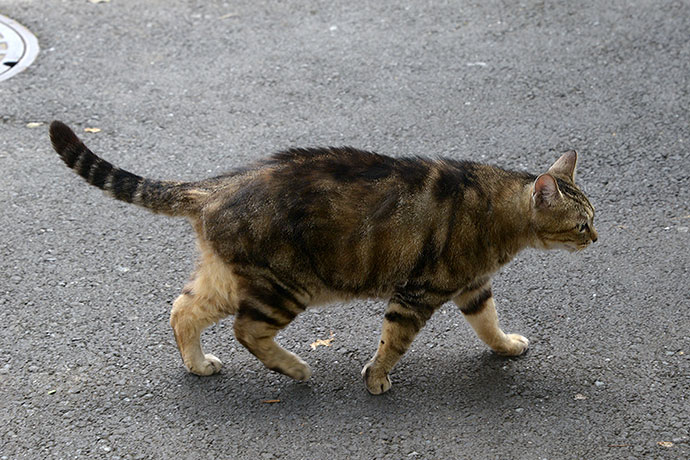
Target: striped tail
167,197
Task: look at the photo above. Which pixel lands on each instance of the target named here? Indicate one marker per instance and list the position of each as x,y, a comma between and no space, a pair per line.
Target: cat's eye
583,227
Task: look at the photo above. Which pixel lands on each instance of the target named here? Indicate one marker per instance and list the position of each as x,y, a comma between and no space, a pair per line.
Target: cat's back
313,192
340,186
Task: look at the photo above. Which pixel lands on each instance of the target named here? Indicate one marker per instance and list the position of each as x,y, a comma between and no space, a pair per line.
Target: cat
311,226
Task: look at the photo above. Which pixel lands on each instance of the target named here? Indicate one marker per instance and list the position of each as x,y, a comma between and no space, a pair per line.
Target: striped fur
172,198
312,226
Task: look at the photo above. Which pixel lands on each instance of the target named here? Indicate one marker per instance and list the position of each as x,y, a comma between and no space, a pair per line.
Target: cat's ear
565,165
546,192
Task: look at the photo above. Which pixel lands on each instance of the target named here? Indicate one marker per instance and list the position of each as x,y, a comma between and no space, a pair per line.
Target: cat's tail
167,197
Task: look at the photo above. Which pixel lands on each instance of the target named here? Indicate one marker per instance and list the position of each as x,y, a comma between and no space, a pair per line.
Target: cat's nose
594,236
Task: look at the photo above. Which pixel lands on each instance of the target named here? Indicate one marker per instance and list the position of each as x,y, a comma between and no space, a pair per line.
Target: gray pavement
187,89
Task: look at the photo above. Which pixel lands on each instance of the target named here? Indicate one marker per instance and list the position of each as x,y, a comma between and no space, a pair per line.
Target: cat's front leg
400,326
478,307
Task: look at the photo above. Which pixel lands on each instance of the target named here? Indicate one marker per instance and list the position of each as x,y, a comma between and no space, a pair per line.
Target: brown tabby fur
311,226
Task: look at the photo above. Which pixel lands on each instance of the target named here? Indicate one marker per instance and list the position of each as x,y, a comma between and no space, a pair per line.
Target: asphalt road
186,89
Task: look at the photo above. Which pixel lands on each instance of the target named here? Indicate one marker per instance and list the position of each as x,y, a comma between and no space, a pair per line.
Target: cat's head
562,216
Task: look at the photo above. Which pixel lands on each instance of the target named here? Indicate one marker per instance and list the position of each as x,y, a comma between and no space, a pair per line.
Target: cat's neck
511,221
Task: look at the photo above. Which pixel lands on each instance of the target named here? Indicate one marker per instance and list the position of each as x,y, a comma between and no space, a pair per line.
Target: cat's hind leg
478,307
209,297
190,315
264,308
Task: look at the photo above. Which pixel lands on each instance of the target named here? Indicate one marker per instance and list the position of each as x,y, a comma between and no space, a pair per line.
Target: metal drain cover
18,48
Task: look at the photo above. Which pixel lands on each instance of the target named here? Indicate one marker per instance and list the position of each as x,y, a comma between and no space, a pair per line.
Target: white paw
514,345
300,371
293,367
375,382
209,366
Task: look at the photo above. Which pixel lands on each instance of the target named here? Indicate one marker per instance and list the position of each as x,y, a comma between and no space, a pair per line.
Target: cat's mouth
573,247
569,246
580,246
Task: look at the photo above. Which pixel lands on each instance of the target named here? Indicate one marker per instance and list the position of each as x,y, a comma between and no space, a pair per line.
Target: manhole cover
18,48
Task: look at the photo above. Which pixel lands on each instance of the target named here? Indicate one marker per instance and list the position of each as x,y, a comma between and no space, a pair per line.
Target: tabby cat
312,226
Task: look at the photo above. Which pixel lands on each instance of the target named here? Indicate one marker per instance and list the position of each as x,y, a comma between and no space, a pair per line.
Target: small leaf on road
665,443
92,130
271,401
322,342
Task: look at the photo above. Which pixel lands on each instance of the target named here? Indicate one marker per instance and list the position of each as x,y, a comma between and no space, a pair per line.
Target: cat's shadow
483,381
